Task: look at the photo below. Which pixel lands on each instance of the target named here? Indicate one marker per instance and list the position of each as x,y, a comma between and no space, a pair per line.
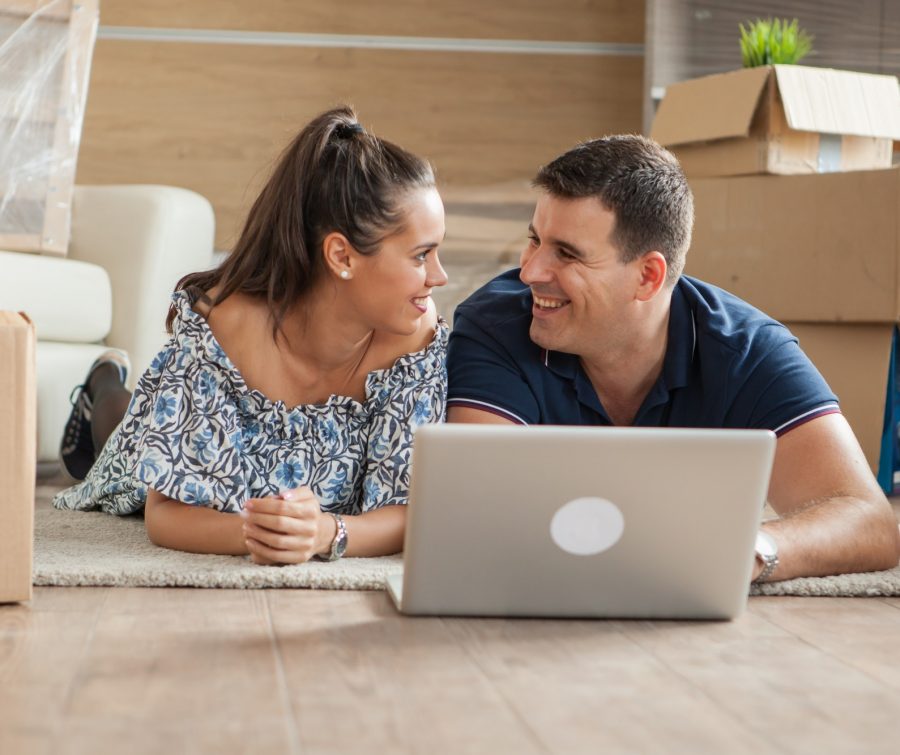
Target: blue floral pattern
197,433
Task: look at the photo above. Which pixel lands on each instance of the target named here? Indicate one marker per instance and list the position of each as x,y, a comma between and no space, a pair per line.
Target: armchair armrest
146,238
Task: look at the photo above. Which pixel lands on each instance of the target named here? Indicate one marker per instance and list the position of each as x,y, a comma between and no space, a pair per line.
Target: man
598,327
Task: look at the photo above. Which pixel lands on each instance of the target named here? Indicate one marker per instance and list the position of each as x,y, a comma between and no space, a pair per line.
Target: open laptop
575,521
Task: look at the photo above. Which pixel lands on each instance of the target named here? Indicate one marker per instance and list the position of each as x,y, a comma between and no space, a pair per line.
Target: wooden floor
116,670
96,670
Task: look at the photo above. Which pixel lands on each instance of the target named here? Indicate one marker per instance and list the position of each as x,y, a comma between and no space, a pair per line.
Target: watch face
765,545
340,546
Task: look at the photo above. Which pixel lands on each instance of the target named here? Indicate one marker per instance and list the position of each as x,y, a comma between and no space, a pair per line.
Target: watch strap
339,543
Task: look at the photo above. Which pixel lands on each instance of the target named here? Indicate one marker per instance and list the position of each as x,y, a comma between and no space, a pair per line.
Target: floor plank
406,685
586,686
861,633
780,683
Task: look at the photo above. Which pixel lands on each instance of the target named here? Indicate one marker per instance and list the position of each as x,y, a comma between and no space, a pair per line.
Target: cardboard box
782,119
822,254
856,361
18,454
803,248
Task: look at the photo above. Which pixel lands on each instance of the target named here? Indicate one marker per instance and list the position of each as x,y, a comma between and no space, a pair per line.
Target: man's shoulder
502,303
729,320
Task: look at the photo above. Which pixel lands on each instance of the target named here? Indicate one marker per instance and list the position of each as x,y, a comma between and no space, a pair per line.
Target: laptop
551,521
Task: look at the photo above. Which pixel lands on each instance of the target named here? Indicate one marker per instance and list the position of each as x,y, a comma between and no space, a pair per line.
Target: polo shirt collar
682,346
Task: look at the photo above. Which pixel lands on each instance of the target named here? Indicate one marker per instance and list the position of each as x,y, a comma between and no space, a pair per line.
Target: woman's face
392,288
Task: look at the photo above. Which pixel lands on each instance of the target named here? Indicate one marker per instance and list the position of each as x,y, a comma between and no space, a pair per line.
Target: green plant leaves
771,41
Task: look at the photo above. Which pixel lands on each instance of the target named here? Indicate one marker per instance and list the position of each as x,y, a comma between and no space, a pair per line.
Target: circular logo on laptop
587,526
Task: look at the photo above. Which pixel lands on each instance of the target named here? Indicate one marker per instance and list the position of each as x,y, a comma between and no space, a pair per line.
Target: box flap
711,107
839,102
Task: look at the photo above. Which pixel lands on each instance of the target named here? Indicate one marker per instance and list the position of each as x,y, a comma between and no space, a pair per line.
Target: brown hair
334,176
637,180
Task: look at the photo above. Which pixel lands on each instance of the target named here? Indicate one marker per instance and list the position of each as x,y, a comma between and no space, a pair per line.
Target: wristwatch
767,551
339,544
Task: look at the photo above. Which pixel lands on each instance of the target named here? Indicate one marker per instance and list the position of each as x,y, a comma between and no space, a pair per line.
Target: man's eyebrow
564,245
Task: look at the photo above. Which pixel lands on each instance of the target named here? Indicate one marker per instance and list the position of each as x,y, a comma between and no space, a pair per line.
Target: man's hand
287,529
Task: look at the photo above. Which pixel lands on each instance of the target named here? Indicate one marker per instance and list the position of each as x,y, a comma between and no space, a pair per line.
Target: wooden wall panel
559,20
213,117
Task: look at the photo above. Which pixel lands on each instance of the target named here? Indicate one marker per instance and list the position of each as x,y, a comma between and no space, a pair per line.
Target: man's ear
337,252
653,270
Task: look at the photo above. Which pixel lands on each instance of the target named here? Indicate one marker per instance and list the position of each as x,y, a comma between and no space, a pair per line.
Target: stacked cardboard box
18,445
820,251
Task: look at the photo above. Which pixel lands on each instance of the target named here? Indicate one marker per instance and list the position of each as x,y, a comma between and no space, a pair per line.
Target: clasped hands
287,529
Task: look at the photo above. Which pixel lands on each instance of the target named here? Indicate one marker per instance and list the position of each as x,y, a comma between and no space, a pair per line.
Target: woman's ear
653,271
338,255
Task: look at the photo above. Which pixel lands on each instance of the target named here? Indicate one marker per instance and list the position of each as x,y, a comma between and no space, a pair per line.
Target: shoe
77,451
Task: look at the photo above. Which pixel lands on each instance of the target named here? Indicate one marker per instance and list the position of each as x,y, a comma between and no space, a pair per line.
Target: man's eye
562,253
533,240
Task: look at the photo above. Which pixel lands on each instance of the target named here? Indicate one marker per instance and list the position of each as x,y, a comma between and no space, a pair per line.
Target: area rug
81,548
90,548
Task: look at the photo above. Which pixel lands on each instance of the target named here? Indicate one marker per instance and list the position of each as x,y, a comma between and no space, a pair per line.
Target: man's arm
471,416
834,517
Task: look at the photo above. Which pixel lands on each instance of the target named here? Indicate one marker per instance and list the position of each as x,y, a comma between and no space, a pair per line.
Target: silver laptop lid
575,521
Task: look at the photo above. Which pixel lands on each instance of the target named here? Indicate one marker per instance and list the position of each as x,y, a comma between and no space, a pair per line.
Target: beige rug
88,548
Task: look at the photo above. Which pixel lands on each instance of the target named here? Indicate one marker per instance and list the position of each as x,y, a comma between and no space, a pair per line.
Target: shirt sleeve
186,435
484,374
784,389
415,394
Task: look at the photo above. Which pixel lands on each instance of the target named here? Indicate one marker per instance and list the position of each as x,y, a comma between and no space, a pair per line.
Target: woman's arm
196,529
290,529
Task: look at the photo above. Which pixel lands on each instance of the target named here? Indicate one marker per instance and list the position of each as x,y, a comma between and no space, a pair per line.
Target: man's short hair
641,183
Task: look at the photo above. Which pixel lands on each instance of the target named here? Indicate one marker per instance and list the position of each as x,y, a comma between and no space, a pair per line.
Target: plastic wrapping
45,55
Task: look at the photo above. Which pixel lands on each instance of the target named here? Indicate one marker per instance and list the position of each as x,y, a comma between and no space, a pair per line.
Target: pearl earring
344,274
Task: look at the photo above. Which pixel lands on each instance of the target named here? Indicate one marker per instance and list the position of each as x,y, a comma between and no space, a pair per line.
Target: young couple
278,420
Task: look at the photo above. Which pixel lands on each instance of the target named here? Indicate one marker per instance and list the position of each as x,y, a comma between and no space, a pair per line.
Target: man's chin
540,336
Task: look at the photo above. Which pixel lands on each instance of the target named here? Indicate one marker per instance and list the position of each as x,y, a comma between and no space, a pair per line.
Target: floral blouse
196,433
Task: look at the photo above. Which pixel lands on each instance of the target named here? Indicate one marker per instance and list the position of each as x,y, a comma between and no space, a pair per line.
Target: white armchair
129,246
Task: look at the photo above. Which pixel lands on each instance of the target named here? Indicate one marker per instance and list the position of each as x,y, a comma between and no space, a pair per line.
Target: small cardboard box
18,451
782,119
822,254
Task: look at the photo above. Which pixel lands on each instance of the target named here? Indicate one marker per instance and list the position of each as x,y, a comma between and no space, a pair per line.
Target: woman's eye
533,240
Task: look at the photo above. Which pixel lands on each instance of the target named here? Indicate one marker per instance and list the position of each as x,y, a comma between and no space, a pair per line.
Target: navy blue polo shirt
727,365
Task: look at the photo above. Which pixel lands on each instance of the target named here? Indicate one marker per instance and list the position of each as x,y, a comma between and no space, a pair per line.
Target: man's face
581,290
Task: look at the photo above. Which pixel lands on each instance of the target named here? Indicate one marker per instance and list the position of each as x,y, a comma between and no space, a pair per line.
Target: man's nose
535,267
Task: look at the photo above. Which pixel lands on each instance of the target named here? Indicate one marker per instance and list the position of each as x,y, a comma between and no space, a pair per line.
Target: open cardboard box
821,253
782,119
18,451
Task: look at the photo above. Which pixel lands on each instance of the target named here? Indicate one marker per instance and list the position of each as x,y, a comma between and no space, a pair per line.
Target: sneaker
77,451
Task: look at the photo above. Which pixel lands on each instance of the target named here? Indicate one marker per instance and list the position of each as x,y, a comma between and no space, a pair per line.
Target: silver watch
339,544
767,550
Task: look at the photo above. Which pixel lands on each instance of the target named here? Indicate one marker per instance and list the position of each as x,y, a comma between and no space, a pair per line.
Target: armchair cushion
68,301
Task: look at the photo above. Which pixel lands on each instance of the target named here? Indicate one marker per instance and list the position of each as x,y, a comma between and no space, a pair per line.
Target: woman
278,419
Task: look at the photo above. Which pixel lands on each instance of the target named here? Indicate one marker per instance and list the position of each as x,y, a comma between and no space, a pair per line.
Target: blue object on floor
889,459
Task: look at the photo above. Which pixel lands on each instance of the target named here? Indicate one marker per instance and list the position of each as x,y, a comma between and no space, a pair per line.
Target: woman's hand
287,529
